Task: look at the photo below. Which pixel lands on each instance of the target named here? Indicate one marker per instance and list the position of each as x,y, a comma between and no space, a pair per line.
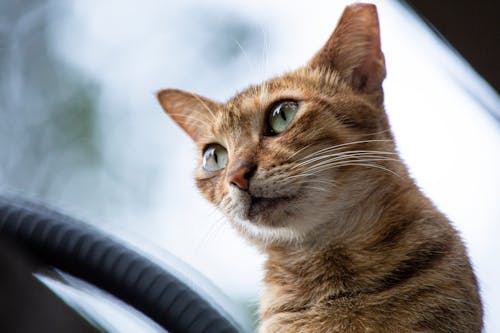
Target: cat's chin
260,210
265,220
281,219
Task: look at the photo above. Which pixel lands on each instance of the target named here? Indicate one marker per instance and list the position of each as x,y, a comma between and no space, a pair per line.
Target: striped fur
352,244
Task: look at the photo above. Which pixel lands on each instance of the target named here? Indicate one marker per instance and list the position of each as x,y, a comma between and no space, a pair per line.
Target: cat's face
283,157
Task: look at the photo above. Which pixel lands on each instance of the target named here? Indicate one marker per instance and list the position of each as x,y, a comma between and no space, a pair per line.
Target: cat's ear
193,113
354,49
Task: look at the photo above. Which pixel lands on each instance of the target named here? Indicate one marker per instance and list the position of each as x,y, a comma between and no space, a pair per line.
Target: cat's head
285,156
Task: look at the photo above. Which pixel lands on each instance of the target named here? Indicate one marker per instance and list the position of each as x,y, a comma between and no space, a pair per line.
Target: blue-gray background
80,127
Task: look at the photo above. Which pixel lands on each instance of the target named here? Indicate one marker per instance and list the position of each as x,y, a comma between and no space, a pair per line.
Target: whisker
320,181
354,158
327,186
204,105
348,153
245,54
316,188
194,120
374,165
352,163
191,115
305,180
380,132
214,225
337,147
299,151
213,230
265,52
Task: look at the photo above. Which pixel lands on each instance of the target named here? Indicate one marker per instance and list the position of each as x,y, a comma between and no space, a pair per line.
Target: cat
305,167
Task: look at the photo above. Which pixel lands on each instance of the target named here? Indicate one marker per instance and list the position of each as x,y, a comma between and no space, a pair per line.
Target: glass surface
80,127
105,312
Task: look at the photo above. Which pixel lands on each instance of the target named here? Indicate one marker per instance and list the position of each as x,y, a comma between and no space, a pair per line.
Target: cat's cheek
209,187
240,203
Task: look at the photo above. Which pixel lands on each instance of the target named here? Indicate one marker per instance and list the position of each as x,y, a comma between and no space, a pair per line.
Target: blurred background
80,128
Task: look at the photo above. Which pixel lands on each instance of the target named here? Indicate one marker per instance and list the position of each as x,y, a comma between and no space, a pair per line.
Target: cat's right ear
193,113
353,49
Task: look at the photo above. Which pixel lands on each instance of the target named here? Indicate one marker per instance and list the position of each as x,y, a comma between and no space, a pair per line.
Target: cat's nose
239,175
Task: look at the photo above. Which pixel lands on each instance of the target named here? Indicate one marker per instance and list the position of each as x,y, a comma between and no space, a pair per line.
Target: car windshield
81,130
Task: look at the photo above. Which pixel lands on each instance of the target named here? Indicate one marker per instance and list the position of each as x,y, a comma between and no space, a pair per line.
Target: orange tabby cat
305,166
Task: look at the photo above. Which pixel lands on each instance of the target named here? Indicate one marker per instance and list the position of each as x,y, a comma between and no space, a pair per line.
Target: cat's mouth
260,205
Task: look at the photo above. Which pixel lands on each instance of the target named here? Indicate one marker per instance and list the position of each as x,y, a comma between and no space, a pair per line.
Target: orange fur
352,243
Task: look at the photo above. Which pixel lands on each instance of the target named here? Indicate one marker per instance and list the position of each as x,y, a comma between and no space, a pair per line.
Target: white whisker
204,105
245,54
377,133
348,163
194,120
321,189
348,153
337,147
299,151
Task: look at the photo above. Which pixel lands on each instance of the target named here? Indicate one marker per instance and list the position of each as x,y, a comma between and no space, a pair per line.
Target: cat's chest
322,310
297,281
295,296
285,310
305,288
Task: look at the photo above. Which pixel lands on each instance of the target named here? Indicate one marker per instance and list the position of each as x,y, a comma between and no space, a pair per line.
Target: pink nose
239,175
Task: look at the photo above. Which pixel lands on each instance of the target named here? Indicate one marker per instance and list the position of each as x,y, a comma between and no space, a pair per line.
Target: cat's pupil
214,157
282,114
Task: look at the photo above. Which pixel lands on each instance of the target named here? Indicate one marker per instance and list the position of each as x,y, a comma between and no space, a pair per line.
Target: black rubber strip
86,253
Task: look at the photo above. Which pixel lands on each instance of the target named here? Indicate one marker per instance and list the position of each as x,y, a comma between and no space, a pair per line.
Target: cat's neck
390,226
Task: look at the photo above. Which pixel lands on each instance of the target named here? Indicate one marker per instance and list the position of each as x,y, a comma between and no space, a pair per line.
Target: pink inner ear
354,49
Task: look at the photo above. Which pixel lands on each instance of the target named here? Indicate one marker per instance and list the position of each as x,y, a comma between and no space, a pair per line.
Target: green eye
214,157
281,116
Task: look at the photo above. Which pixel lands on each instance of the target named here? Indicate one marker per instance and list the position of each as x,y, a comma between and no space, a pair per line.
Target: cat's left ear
354,50
193,113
